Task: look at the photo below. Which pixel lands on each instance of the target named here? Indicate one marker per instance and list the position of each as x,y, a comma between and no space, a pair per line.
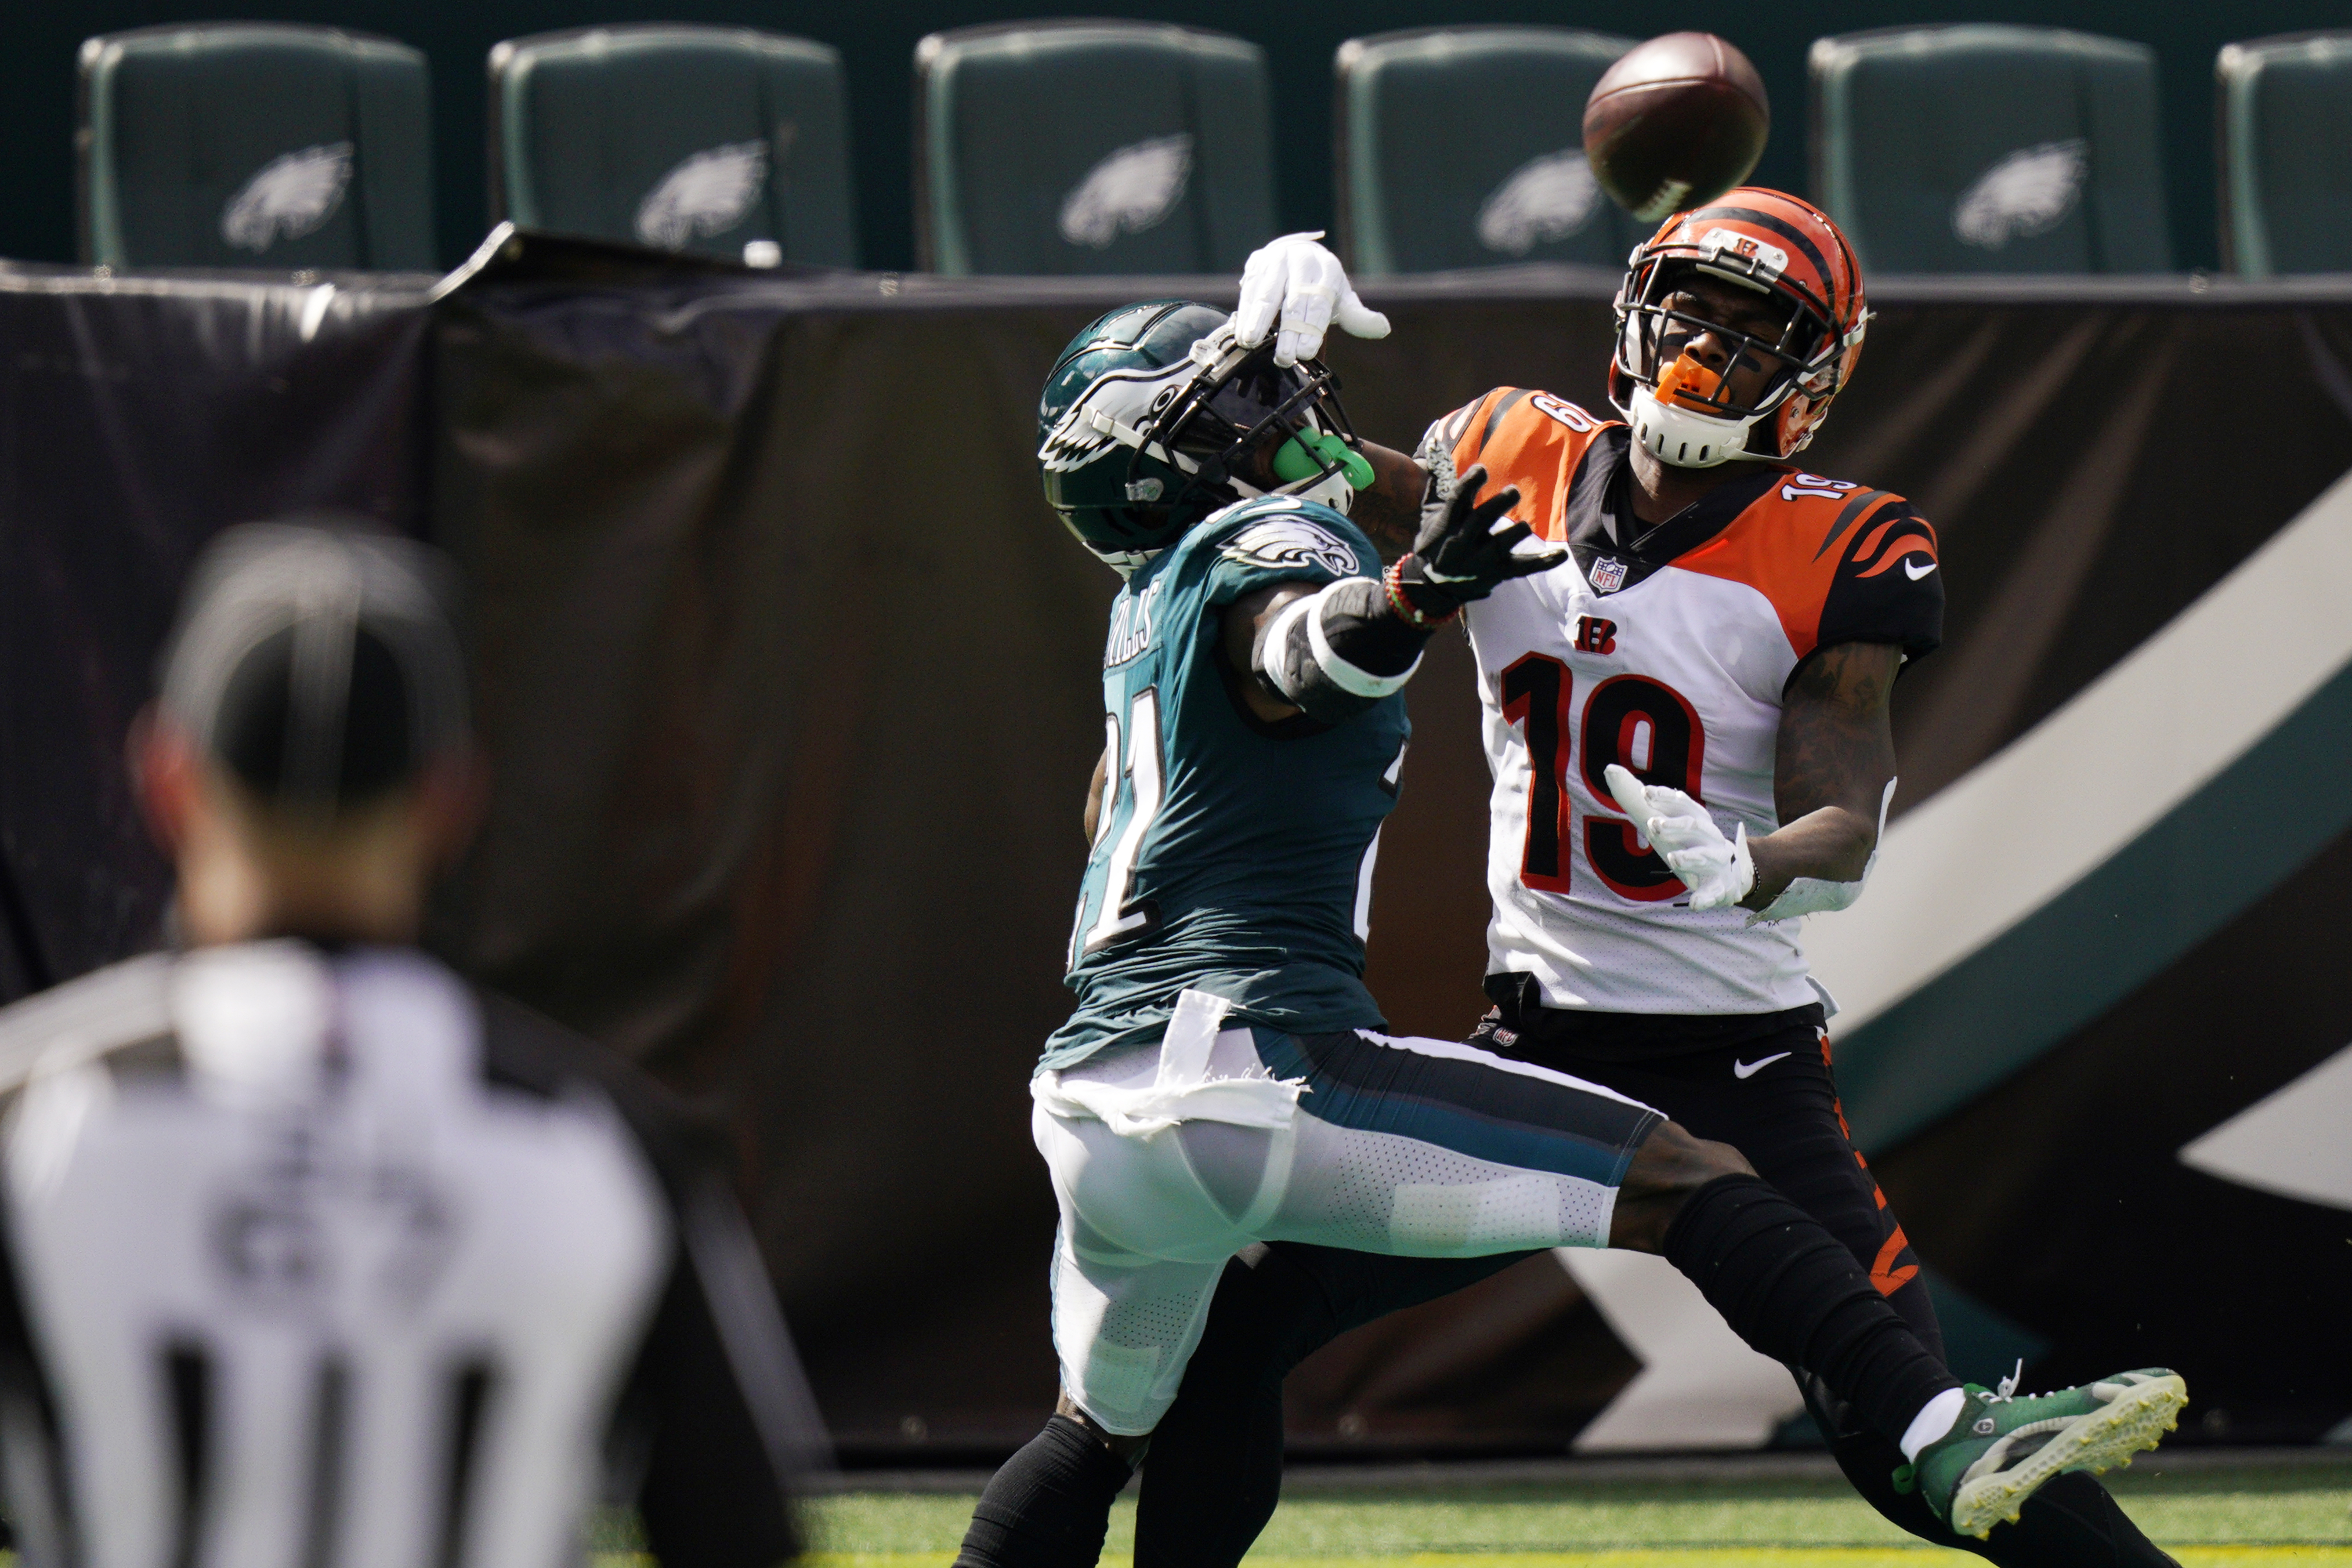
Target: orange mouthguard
1687,378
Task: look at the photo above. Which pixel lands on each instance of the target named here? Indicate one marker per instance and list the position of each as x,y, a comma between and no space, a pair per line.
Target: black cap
316,660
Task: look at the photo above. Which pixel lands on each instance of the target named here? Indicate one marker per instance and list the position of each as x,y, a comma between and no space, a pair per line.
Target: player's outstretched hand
1296,285
1460,555
1718,871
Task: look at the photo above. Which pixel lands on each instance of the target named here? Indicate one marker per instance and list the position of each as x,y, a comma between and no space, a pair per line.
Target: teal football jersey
1231,856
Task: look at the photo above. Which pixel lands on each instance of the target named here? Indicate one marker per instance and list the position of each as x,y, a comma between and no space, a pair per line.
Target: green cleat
2002,1448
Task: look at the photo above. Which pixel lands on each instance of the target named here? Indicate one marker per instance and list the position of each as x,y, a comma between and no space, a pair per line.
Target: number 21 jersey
1665,648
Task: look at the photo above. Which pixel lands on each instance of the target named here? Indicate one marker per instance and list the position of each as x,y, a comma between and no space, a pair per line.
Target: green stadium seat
248,144
679,137
1090,147
2286,154
1465,147
1990,148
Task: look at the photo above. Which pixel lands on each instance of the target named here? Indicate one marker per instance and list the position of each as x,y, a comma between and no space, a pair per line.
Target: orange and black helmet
1778,244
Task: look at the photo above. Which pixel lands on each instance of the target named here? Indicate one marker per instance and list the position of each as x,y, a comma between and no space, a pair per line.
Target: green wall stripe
2195,870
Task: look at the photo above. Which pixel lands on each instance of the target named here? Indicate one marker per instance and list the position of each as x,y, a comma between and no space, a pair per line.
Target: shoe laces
2006,1389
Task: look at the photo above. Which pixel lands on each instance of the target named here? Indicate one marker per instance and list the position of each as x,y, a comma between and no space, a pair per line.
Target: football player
1687,724
1225,1080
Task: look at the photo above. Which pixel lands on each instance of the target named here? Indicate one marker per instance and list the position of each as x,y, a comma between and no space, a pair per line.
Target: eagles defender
1728,632
1225,1080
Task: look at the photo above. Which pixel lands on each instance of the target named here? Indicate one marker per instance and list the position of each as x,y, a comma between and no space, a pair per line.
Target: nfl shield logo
1608,576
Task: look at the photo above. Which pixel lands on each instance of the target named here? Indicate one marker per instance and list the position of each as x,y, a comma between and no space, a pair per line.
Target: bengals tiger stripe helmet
1760,239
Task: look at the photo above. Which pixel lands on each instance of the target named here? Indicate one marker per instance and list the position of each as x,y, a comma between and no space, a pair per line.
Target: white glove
1298,282
1718,871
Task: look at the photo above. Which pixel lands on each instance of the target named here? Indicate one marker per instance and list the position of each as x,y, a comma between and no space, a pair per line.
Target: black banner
790,685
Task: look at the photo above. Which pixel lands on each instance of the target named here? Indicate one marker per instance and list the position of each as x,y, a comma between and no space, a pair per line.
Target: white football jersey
1668,656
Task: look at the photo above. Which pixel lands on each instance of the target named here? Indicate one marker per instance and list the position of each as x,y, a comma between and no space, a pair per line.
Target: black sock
1792,1290
1049,1506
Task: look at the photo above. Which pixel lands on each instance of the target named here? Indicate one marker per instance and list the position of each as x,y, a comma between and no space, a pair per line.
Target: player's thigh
1134,1196
1125,1327
1431,1148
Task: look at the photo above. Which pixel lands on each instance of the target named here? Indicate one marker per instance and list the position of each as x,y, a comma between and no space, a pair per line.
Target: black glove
1460,556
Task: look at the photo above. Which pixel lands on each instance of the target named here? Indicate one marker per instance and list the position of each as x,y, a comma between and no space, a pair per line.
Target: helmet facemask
1687,411
1244,419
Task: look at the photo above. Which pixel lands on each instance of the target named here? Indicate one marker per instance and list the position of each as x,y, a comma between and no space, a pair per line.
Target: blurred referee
311,1253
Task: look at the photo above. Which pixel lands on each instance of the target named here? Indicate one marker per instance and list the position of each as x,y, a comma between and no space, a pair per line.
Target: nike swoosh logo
1916,572
1751,1069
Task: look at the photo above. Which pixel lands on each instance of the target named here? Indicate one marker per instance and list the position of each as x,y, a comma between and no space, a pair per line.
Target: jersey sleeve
1441,448
1889,584
1283,541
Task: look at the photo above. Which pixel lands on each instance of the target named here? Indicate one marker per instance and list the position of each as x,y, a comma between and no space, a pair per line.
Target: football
1675,123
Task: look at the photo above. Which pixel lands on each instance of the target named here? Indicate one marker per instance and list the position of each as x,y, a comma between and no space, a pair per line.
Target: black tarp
790,683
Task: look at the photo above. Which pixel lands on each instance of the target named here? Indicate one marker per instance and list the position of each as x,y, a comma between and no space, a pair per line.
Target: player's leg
1215,1472
1787,1120
1125,1323
1433,1148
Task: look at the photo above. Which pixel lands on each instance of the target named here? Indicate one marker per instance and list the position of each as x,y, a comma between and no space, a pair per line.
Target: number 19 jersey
1231,856
1667,652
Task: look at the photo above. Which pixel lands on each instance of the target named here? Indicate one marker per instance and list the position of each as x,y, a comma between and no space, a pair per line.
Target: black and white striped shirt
326,1259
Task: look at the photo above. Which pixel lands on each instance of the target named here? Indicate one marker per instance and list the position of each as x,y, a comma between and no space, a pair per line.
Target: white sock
1935,1417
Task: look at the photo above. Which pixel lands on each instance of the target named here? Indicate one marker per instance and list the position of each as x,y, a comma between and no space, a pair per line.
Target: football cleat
2002,1447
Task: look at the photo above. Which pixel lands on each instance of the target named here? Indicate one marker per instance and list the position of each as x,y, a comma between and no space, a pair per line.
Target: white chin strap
1684,438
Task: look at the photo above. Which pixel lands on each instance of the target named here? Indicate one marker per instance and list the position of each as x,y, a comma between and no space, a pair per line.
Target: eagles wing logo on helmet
2026,194
293,196
1282,542
1132,190
706,193
1546,198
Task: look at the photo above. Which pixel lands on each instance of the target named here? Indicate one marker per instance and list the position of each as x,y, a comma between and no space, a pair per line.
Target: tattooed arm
1836,756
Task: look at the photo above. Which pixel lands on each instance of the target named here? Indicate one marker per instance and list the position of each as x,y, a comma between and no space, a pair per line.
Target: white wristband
1348,677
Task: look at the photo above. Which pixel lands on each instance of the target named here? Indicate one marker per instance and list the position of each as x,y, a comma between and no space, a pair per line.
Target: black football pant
1214,1469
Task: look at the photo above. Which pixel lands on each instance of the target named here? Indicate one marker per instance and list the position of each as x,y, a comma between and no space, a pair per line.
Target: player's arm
1292,289
1390,512
1834,764
1833,776
1334,651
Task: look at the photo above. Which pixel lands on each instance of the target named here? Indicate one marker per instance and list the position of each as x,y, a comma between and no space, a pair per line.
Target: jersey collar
1599,514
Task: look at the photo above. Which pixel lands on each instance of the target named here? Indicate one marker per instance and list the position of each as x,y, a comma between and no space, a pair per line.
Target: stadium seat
679,137
1090,147
1990,148
2286,173
248,144
1465,147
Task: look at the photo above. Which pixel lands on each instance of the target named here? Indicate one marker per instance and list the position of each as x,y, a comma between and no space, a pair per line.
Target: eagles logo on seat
1777,245
1153,418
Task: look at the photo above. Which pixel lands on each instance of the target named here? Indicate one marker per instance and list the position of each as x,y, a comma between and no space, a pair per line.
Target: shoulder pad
119,1005
1279,532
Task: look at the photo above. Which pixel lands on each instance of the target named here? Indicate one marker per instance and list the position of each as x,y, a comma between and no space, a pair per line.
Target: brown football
1675,123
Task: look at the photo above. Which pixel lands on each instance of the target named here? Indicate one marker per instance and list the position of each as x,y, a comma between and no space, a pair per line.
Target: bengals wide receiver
1688,726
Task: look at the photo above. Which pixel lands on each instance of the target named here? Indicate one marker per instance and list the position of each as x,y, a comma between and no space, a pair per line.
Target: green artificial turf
1718,1524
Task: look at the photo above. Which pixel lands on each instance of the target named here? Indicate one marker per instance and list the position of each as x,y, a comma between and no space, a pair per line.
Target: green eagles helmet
1151,414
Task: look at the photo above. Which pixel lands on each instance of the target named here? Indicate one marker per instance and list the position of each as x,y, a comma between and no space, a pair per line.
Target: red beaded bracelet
1402,603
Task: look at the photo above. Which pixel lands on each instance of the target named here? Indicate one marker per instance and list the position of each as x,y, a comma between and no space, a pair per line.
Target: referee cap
315,659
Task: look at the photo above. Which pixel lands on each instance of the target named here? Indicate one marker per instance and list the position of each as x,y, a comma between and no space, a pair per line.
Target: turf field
2207,1518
